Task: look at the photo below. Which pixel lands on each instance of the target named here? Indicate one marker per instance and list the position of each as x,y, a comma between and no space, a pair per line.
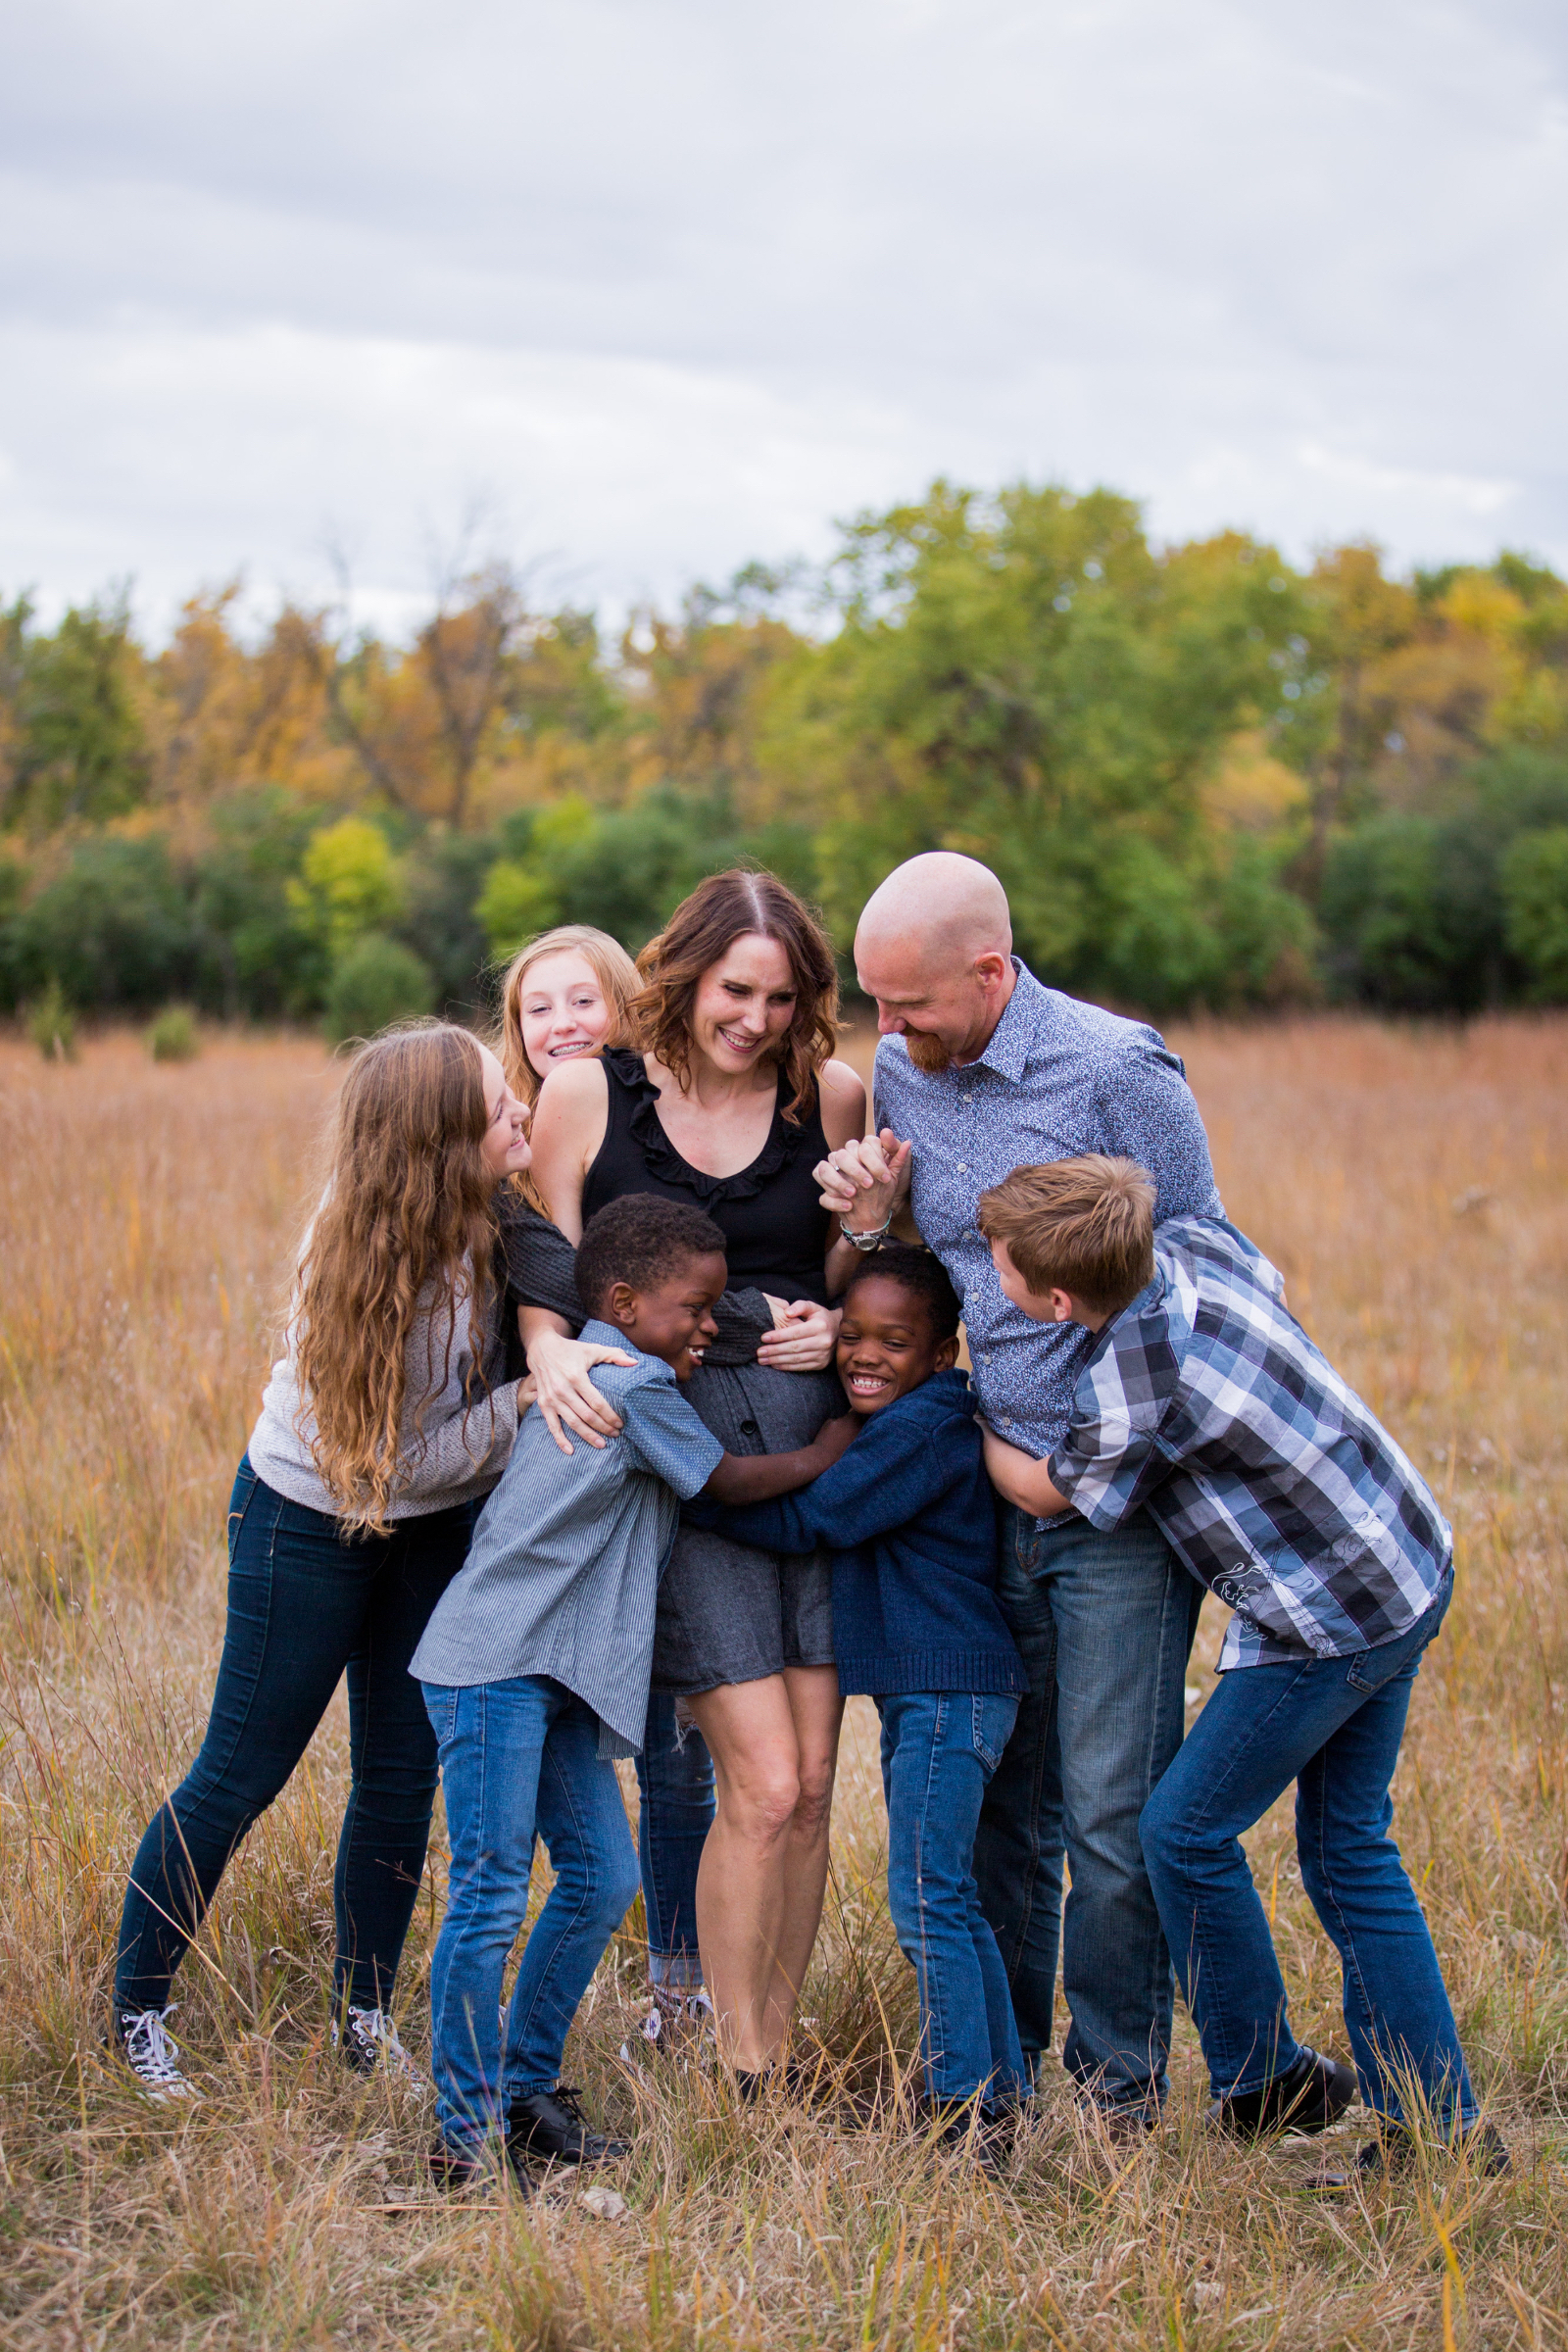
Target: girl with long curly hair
723,1103
385,1420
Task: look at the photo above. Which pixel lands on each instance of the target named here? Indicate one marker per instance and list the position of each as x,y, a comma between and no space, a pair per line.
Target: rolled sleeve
668,1438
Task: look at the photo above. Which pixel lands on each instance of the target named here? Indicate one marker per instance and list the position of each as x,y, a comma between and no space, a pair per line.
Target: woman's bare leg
756,1912
818,1712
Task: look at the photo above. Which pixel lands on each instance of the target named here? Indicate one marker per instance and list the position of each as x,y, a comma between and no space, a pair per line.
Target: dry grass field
1411,1185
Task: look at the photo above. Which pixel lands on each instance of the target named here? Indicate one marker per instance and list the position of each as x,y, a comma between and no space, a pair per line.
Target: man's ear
990,968
620,1305
1062,1307
947,1354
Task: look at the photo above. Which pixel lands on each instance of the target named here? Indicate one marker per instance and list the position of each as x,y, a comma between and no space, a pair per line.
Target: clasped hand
864,1184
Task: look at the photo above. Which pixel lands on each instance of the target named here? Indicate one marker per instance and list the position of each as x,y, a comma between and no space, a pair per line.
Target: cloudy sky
662,285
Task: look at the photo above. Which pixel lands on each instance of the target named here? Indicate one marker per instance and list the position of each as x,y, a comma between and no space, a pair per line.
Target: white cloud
676,282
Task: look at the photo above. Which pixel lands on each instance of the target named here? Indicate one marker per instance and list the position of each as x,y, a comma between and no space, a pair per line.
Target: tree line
1207,777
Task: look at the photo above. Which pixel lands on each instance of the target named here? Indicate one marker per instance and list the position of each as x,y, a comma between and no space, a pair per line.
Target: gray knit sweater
453,1450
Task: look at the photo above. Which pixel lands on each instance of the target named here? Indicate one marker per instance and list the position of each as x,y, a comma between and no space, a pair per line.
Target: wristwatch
864,1242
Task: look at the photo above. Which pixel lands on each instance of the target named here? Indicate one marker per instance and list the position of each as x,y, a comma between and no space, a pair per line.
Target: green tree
72,742
1535,897
349,884
112,929
374,982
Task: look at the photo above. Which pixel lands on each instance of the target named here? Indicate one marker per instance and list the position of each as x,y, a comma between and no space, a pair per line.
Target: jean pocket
1371,1669
241,1497
994,1716
441,1706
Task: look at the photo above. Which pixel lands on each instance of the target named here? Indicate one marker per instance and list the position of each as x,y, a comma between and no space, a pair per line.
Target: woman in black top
730,1107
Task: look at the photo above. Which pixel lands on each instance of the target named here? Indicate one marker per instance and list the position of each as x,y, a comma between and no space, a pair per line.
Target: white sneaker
368,2042
150,2051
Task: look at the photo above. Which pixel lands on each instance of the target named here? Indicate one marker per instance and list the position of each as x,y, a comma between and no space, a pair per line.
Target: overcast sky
673,284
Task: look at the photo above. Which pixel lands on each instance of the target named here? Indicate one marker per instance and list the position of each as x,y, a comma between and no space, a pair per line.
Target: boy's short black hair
640,1239
922,1273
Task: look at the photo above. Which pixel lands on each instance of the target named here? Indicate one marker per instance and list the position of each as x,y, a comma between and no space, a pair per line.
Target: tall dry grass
1411,1186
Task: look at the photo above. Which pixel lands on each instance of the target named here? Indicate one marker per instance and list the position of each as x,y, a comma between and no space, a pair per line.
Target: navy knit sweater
909,1517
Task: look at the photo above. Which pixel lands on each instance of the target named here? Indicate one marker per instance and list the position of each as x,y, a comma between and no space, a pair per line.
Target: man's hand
864,1184
1018,1478
803,1337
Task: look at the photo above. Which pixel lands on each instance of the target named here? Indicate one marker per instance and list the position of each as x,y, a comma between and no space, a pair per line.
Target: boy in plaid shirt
1205,1402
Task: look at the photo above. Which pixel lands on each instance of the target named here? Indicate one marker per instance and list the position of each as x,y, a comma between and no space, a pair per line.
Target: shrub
376,982
112,929
173,1036
1534,895
52,1025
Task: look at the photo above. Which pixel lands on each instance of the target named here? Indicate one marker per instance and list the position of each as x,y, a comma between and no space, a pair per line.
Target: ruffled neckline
783,1144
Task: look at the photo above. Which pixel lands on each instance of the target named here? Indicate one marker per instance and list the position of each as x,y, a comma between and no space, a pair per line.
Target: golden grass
1411,1186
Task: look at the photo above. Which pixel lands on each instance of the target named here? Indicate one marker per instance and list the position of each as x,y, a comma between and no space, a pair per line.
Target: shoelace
375,2032
151,2050
566,2094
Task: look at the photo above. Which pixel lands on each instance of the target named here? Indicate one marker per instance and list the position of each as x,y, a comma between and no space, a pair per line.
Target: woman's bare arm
843,1121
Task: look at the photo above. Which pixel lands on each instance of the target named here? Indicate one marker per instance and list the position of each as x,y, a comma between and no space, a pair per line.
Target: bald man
980,1070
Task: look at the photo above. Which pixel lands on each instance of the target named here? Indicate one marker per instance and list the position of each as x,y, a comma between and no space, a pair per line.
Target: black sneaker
1311,2094
368,2044
983,2129
141,2038
551,2124
482,2163
1394,2151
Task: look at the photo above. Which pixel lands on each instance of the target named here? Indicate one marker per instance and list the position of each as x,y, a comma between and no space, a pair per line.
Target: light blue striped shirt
561,1578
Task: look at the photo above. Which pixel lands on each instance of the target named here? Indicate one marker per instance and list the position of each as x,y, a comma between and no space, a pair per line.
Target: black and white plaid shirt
1205,1402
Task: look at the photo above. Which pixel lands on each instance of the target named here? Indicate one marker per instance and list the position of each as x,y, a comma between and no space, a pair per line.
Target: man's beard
927,1052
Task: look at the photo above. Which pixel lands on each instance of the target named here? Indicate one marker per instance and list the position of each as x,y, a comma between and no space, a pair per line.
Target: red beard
927,1052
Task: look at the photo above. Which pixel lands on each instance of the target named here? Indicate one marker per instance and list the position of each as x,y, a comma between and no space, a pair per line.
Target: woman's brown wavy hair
703,928
405,1223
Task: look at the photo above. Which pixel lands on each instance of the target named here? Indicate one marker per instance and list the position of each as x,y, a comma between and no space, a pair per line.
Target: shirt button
751,1429
964,1167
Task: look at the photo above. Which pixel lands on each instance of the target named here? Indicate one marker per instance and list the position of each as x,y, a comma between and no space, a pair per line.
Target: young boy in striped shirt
535,1667
1205,1402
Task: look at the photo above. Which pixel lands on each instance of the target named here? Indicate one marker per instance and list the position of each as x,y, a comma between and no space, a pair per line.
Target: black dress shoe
981,2127
1312,2093
551,2124
477,2166
1394,2151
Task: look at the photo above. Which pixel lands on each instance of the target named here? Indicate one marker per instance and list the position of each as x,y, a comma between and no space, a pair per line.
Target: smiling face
744,1005
673,1318
505,1149
944,1008
562,1011
887,1346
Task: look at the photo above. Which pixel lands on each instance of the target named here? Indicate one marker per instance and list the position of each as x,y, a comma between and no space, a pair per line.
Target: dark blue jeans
939,1749
675,1785
519,1757
1334,1726
1106,1623
305,1605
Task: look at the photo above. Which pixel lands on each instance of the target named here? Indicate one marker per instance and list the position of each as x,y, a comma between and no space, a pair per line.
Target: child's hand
835,1437
1018,1478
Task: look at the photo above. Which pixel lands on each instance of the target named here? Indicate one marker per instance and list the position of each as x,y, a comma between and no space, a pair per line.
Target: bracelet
864,1242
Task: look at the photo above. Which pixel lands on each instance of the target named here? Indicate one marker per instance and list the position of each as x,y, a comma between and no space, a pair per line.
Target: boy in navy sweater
909,1518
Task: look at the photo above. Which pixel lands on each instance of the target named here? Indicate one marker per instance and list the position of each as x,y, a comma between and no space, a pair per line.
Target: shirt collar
1007,1051
598,1334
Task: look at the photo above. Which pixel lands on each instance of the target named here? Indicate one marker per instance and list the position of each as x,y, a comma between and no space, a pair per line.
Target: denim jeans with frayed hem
1334,1726
675,1782
519,1757
939,1749
1104,1624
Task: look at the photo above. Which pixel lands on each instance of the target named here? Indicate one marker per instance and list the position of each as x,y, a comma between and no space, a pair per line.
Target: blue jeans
1334,1726
519,1757
305,1604
675,1782
1104,1624
939,1749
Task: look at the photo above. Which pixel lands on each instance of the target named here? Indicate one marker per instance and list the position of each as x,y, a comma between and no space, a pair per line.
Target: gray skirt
728,1613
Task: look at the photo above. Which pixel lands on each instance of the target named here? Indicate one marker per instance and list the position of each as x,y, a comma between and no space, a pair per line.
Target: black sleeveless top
770,1213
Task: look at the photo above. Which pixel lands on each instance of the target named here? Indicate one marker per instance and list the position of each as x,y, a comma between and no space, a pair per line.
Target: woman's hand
563,1392
864,1184
803,1339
